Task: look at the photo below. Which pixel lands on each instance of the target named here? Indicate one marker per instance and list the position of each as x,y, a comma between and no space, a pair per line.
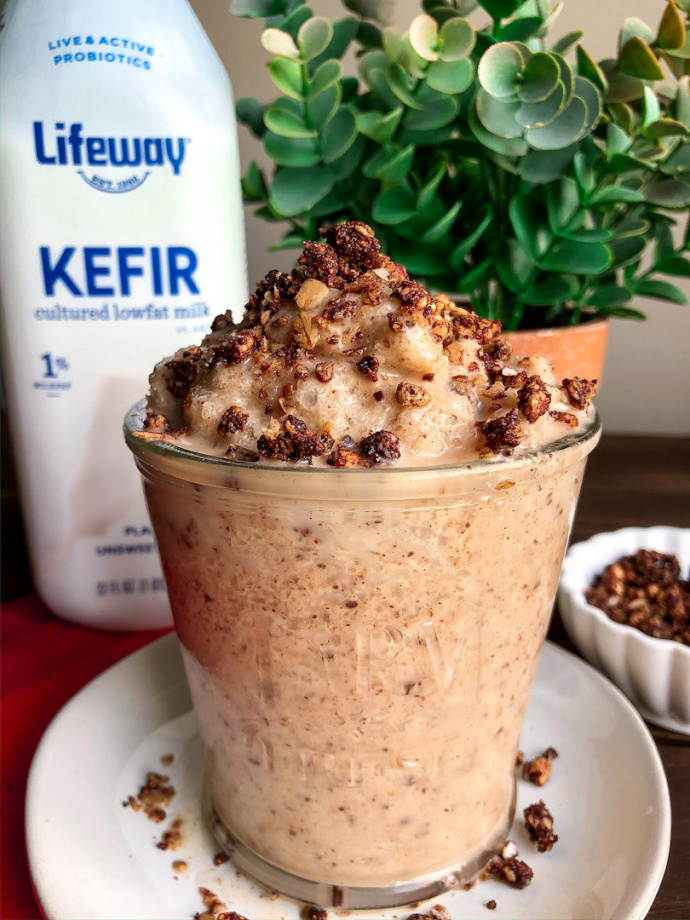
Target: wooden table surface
630,481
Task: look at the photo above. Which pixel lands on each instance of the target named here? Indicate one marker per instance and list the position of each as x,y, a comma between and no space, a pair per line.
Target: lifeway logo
68,146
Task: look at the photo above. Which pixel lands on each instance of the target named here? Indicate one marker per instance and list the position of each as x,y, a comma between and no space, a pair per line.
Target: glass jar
361,645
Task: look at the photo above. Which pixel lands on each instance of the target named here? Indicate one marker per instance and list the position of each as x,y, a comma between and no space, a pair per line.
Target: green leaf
617,140
584,172
630,226
530,225
287,76
250,112
286,121
626,250
442,227
500,70
666,127
671,33
540,78
344,30
394,205
540,166
637,60
451,77
591,97
296,190
291,151
683,101
625,313
399,82
498,116
588,67
521,30
371,61
577,258
394,168
650,107
564,44
324,106
634,27
514,267
562,203
314,37
418,260
457,256
428,191
476,276
338,135
621,87
678,162
540,114
669,193
674,265
590,235
547,293
609,295
345,166
508,146
350,88
439,110
325,76
410,60
426,138
279,43
456,40
258,9
664,290
562,131
424,36
379,128
567,78
253,183
294,21
368,9
616,194
500,9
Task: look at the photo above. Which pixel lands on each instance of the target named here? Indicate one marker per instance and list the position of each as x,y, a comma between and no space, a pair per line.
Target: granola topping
539,825
645,591
311,343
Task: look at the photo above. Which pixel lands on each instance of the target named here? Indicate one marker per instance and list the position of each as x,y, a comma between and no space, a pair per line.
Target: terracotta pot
574,351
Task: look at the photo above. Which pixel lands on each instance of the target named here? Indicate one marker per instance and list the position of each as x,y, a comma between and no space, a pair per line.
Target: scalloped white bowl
653,673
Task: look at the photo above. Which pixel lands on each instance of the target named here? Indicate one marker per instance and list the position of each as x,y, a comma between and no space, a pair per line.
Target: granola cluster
347,361
645,591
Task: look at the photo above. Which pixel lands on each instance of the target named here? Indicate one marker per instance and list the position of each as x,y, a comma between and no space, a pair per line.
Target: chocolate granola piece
310,912
280,447
538,771
379,396
502,433
172,839
567,418
533,398
338,310
579,391
490,905
469,325
233,419
395,322
220,858
155,421
236,350
369,366
320,261
411,294
344,457
511,870
381,446
539,825
324,371
645,591
222,321
355,242
186,370
410,394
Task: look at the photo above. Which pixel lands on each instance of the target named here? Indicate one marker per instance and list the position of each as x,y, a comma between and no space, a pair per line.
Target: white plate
91,858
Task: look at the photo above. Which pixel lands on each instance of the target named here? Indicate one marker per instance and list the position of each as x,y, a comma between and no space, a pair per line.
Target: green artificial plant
543,191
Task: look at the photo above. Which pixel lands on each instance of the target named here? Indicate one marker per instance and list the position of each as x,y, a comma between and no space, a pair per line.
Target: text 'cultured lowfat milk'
121,238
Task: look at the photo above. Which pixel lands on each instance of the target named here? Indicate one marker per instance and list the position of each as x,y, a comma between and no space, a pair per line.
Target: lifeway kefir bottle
121,237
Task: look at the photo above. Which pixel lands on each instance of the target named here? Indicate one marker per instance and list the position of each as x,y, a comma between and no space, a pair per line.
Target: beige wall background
647,377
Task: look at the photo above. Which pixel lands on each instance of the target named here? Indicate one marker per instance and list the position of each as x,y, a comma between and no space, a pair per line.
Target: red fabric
45,661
